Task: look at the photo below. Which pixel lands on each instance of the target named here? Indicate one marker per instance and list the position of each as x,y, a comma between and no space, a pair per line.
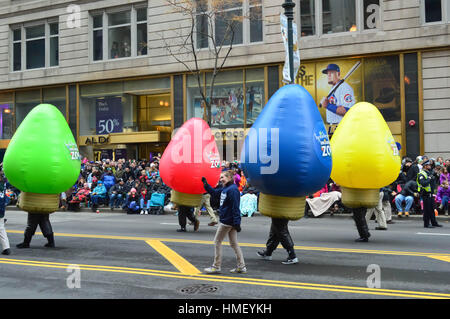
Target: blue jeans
95,198
142,204
445,202
408,200
115,200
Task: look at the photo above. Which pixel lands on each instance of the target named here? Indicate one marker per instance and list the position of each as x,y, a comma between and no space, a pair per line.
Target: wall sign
109,115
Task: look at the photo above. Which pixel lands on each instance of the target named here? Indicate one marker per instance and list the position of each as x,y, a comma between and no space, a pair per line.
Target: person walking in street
43,221
187,212
3,236
279,233
426,188
230,222
379,214
206,201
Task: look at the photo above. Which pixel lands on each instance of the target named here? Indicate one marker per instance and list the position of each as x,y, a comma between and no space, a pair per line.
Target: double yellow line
233,280
188,271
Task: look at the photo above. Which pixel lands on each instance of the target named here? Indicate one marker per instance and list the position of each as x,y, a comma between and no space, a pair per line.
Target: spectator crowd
136,187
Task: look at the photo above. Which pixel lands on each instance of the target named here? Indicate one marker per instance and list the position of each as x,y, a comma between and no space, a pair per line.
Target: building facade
113,68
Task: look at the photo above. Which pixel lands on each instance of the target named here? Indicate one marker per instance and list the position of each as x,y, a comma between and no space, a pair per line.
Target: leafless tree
190,42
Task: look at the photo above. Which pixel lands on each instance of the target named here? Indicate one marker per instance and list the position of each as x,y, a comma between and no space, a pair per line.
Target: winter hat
133,190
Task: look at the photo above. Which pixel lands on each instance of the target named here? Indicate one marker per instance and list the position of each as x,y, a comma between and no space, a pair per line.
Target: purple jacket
444,177
441,193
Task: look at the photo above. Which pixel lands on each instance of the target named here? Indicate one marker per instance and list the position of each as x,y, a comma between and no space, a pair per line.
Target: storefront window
255,95
382,85
227,107
6,116
112,107
25,102
56,97
195,104
338,16
104,109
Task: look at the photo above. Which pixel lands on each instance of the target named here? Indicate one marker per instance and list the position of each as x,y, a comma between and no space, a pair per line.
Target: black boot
361,224
26,242
51,241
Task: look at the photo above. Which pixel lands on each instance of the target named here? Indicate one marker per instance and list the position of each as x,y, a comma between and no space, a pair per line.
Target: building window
234,22
307,17
35,46
119,34
6,116
338,16
433,11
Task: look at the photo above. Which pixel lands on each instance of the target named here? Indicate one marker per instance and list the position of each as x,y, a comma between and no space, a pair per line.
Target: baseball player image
341,100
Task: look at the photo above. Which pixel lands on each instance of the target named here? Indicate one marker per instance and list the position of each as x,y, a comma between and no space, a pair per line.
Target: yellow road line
443,258
243,280
205,242
179,262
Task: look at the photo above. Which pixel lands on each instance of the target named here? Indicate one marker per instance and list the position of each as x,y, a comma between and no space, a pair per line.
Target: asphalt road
143,257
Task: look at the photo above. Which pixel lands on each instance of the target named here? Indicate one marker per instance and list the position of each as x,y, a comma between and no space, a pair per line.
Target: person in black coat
230,221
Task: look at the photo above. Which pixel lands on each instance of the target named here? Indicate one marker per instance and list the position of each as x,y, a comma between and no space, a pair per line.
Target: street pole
288,6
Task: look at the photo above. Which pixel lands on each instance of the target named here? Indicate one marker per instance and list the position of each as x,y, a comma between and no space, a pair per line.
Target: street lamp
288,6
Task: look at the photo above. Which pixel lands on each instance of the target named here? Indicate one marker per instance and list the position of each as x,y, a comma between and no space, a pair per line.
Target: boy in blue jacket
230,222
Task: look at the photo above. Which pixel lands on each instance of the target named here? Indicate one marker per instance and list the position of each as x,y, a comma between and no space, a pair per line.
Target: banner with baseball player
339,84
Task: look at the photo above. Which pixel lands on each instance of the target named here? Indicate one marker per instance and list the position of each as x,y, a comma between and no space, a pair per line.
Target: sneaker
437,225
212,270
142,212
290,261
390,222
406,214
380,228
263,255
399,215
196,225
212,224
146,212
181,230
6,252
239,270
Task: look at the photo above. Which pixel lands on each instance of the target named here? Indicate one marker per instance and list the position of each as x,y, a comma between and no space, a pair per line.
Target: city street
142,256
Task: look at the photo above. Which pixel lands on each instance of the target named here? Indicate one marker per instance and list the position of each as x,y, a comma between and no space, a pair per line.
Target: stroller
157,201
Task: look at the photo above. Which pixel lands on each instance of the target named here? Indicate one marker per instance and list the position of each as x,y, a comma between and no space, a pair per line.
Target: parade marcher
279,233
379,214
425,185
206,201
230,222
187,212
3,236
35,219
361,224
